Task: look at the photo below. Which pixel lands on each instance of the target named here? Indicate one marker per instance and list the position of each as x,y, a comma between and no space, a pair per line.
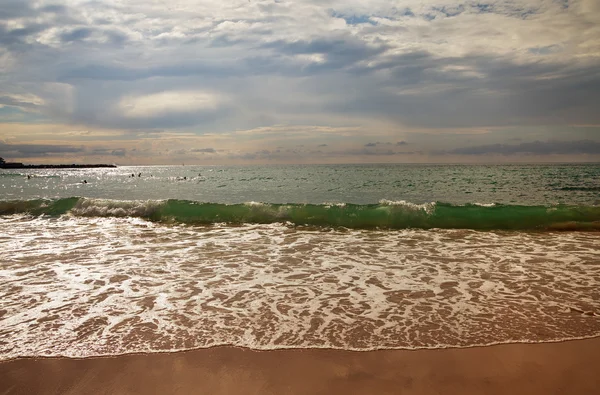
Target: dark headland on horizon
19,165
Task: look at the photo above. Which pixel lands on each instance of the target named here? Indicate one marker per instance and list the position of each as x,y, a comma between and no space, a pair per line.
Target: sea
111,261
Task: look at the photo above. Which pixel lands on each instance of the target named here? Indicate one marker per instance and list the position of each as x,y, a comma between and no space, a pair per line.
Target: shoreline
302,348
516,368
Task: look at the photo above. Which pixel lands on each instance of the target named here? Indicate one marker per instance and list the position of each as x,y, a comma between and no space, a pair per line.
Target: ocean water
359,257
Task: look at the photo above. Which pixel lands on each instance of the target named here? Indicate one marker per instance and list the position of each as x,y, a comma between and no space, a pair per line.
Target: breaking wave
385,214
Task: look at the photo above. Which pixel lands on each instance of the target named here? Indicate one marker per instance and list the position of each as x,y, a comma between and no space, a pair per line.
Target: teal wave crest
387,215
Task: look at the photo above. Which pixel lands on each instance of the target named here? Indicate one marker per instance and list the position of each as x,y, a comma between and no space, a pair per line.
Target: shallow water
80,287
359,257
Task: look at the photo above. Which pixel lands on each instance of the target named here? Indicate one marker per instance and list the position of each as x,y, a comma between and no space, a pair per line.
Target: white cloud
26,98
311,58
375,66
163,103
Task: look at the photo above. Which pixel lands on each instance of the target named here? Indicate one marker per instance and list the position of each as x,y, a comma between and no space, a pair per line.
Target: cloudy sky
313,81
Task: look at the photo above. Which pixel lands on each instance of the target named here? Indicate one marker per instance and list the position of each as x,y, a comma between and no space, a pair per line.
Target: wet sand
550,368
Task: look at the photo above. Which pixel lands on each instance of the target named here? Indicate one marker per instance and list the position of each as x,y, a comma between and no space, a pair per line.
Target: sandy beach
550,368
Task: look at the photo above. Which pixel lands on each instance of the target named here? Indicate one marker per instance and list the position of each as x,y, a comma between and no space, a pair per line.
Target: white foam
252,203
115,208
79,287
427,207
338,204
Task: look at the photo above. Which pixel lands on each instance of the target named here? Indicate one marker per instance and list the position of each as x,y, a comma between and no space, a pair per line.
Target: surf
383,215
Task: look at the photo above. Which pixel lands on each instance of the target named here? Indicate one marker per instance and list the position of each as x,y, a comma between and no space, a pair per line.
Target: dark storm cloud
536,147
419,90
15,9
350,48
110,37
103,72
23,8
406,62
337,55
422,90
55,9
76,34
13,37
338,52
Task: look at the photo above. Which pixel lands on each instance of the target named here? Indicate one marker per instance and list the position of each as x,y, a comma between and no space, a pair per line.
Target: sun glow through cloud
162,103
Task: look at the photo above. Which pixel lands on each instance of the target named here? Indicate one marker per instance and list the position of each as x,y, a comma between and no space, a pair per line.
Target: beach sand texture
544,368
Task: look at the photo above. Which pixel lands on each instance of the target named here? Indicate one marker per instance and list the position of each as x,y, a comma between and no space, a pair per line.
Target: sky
329,81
